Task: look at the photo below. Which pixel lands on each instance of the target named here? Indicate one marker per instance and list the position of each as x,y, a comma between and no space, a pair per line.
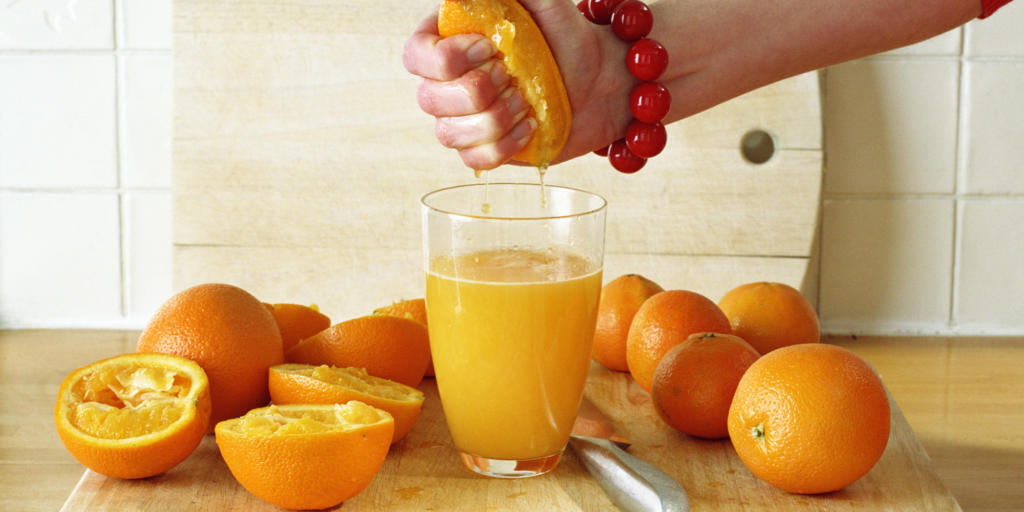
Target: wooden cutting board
300,156
423,472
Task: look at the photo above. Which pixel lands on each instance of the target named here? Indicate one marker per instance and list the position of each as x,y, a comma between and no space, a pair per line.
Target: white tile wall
889,265
58,127
146,110
992,265
998,35
891,126
922,216
146,252
145,24
994,116
85,138
57,24
60,258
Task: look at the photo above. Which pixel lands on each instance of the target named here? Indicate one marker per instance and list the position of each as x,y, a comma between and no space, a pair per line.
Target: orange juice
510,334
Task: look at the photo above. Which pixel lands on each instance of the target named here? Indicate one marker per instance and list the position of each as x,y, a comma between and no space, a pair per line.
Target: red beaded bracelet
631,20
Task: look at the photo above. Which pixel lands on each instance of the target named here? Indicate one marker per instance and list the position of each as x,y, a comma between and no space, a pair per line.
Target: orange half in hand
134,415
528,60
306,456
308,384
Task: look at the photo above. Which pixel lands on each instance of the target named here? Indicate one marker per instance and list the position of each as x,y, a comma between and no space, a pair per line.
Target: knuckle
444,133
409,54
426,98
477,84
449,60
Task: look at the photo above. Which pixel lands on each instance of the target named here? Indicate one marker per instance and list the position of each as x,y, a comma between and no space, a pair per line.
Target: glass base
502,468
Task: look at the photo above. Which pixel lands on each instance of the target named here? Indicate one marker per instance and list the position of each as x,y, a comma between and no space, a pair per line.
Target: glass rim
424,201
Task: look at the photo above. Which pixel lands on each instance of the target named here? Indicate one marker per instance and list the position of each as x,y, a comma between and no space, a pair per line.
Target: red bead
601,10
622,159
650,101
602,151
645,140
584,7
632,20
647,59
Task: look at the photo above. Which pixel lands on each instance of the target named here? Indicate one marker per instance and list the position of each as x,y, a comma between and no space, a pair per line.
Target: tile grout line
959,179
119,144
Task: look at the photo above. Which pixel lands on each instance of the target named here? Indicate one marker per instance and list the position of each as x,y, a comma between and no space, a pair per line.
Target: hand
480,114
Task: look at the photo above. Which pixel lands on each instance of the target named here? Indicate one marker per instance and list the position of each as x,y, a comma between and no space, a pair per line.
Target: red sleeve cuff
990,6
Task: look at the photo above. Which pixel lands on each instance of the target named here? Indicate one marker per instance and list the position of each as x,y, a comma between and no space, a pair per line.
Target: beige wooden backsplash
300,156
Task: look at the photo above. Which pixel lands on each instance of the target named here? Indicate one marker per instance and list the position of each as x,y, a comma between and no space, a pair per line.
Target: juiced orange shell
529,61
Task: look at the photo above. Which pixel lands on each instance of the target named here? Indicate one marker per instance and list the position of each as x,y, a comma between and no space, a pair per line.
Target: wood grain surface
961,396
300,155
423,472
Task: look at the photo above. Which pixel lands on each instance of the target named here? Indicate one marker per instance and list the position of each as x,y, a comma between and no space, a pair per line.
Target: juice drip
541,171
485,208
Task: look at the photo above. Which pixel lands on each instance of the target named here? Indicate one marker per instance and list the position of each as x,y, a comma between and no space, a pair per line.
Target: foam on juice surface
515,265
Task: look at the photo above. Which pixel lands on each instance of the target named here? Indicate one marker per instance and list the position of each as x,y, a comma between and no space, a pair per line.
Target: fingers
468,94
488,139
461,132
491,155
430,56
468,91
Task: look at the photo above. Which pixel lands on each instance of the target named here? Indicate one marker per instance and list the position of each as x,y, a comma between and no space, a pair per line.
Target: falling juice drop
485,208
541,170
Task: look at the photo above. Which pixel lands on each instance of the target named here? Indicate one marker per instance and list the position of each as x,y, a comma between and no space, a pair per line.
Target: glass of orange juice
513,276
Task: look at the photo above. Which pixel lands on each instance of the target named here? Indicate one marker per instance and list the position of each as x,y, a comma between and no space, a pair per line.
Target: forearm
740,45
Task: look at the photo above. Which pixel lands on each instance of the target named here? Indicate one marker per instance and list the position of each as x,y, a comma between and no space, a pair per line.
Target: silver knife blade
632,484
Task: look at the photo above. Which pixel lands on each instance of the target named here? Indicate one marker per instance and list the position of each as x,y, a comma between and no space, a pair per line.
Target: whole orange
665,320
770,315
297,322
133,415
413,309
389,347
809,418
620,300
232,336
305,456
695,380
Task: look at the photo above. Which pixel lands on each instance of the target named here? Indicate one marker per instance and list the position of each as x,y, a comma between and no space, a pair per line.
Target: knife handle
632,484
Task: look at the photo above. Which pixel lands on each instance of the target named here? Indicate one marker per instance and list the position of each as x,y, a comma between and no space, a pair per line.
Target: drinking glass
513,275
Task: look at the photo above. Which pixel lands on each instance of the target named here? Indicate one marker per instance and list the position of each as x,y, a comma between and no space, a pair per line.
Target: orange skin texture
665,320
770,315
308,471
389,347
620,300
232,336
695,381
413,309
810,418
292,388
135,457
528,60
297,322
